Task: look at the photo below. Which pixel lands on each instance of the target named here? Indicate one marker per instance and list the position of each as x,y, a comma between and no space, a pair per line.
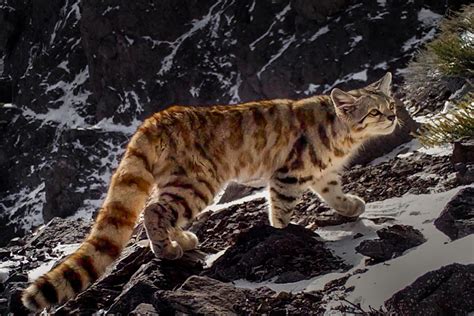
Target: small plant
446,63
453,49
455,124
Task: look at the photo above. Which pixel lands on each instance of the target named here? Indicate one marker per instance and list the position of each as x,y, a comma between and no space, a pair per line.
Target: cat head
368,111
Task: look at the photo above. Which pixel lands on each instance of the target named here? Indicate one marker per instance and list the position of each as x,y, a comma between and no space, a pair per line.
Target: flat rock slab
447,291
265,252
457,218
392,242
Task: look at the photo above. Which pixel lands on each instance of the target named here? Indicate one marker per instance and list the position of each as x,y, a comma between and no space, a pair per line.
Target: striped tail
130,187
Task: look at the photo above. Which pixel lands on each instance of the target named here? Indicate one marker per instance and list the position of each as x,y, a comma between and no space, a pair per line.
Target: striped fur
188,154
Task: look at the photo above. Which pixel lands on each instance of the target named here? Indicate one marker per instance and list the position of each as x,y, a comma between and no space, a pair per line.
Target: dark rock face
392,242
319,11
463,152
205,296
447,291
220,229
464,173
265,252
97,68
457,218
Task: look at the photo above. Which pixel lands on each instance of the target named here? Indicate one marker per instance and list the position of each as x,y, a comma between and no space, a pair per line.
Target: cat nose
391,117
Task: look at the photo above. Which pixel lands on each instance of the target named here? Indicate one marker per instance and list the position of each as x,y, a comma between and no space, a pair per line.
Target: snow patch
320,32
209,261
361,76
30,200
381,281
278,18
428,17
72,95
409,148
197,25
312,88
414,42
58,251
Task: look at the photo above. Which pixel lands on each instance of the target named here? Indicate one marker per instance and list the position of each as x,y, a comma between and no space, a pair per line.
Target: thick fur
188,154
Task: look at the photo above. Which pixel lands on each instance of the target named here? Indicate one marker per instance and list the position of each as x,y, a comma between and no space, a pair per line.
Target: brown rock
463,151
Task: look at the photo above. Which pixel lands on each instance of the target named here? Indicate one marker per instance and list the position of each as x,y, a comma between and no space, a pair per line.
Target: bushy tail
130,187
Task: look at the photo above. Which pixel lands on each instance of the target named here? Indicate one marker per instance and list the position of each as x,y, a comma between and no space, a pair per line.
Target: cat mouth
391,124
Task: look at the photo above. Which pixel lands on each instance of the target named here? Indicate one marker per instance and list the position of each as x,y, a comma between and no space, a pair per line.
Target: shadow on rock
264,252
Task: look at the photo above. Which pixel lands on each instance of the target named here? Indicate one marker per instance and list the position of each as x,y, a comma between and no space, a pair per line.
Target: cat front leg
285,192
330,190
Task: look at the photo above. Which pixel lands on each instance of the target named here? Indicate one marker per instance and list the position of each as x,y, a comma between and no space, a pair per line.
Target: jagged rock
265,252
220,228
133,279
205,296
457,218
399,176
392,242
446,291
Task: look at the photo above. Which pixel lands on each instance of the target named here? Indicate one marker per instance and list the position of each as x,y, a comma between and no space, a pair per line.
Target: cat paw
353,206
187,240
172,251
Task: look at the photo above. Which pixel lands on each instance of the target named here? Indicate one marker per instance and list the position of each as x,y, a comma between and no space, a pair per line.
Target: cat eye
374,112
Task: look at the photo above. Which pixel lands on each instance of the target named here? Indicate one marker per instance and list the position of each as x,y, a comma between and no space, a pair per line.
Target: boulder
392,242
457,218
220,229
265,252
446,291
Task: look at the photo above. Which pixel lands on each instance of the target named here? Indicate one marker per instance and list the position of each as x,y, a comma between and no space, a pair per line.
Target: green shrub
446,59
455,124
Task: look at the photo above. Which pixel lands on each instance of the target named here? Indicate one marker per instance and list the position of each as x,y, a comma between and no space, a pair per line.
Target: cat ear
383,84
342,99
